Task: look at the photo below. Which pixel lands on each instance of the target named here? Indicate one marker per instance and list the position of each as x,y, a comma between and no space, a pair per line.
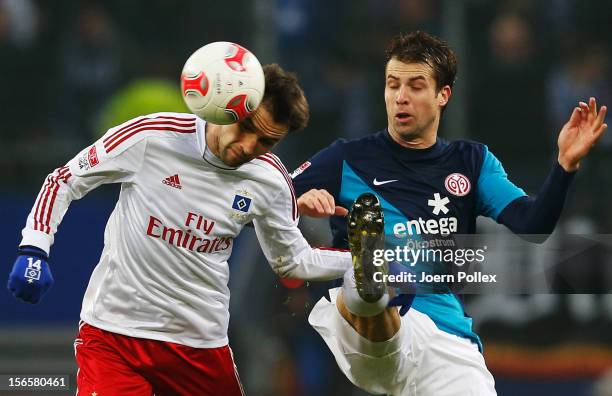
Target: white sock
353,301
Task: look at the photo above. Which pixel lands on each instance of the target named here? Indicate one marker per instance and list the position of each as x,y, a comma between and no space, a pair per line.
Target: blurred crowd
71,69
523,66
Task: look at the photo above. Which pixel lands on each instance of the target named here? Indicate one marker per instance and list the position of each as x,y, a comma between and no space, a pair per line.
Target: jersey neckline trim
215,161
413,154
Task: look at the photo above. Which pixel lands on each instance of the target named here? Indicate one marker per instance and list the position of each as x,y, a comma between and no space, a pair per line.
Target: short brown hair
284,98
421,47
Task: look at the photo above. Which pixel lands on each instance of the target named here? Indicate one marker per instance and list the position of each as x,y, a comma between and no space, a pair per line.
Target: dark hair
284,98
421,47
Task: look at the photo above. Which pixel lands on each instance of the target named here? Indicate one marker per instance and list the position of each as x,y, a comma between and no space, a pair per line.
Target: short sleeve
494,190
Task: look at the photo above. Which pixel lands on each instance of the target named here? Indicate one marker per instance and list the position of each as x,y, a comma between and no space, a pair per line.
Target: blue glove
31,276
405,291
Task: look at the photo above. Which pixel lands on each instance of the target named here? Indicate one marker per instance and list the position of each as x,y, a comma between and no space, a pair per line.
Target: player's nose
248,144
402,95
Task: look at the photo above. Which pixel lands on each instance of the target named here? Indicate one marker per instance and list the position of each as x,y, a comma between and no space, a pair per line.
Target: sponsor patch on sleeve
89,158
300,169
92,156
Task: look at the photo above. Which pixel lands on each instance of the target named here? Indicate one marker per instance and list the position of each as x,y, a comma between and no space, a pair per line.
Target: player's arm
317,183
288,253
95,165
500,199
539,214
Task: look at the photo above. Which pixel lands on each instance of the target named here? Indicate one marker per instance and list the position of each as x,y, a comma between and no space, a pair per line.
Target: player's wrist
29,250
568,165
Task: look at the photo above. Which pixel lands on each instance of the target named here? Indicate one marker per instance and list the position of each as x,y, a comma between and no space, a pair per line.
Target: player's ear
444,95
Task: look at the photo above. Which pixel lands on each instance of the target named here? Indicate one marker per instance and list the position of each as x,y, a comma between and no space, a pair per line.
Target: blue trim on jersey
444,310
494,190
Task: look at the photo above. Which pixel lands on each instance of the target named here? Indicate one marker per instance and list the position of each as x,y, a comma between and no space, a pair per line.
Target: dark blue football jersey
425,193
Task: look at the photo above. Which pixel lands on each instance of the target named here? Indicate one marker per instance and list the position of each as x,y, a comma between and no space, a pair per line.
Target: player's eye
246,128
246,125
393,83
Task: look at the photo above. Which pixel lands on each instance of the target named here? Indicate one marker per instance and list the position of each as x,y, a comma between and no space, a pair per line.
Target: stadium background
70,69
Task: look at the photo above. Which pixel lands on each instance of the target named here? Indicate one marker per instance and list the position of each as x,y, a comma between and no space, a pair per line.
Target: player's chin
406,130
233,163
234,160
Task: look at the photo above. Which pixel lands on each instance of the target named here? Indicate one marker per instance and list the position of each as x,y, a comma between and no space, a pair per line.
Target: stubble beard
415,132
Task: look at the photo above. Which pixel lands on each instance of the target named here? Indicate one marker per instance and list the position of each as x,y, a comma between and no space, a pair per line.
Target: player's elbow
533,233
282,274
527,219
285,271
536,231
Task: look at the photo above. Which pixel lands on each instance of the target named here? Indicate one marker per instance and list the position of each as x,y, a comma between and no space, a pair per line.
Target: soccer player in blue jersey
427,188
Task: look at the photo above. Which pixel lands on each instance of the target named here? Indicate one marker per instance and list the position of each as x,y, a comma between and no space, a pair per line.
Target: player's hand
31,276
585,126
319,203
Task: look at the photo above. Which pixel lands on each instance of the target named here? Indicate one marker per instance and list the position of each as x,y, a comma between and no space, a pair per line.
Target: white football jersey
163,273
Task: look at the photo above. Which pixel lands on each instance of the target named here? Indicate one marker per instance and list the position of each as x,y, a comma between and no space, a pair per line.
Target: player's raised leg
375,328
366,338
363,301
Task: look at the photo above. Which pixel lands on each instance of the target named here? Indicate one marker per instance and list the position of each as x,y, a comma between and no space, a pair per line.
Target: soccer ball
222,82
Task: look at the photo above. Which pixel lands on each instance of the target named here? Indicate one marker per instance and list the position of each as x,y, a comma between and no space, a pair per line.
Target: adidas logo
173,181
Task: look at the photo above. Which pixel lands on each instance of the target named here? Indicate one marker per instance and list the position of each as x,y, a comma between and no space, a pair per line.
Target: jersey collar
414,154
215,161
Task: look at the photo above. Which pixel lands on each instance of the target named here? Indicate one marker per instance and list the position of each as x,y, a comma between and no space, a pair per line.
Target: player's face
413,103
241,142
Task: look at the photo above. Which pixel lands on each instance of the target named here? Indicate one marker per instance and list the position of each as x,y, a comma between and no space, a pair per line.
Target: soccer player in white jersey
155,314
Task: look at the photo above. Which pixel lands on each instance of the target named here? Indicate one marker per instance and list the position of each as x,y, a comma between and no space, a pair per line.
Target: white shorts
419,360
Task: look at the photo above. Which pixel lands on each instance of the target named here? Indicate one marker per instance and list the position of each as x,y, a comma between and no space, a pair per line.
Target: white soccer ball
222,82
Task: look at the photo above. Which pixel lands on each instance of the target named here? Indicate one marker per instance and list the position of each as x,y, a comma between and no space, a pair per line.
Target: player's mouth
240,156
403,117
